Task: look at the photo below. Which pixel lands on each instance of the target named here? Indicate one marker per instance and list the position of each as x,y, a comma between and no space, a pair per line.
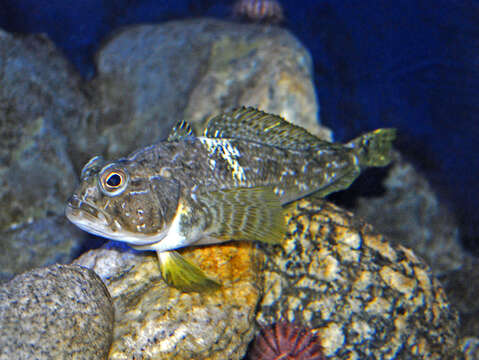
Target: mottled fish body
229,184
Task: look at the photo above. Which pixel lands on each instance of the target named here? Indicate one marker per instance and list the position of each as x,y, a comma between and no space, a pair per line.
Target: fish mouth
93,220
87,217
76,206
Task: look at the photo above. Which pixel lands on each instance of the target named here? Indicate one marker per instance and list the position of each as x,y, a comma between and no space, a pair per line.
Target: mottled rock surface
152,76
58,312
365,297
155,321
411,215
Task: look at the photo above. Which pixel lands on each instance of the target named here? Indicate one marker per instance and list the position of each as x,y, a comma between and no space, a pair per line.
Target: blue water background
410,64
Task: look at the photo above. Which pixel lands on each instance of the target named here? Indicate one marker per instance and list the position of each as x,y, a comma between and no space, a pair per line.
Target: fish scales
202,164
230,184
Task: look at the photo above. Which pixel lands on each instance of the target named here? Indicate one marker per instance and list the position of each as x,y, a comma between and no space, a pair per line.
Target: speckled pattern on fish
229,184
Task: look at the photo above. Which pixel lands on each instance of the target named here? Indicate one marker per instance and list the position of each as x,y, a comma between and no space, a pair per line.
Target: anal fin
182,274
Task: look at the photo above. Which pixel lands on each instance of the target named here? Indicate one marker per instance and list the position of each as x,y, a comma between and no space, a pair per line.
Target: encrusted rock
58,312
152,76
365,297
155,321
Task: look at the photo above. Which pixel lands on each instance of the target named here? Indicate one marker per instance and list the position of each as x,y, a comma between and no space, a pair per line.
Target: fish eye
113,180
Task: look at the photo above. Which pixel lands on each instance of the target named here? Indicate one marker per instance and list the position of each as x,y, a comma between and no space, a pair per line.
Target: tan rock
155,321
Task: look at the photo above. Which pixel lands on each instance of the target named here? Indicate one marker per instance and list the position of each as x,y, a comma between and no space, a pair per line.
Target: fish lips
85,215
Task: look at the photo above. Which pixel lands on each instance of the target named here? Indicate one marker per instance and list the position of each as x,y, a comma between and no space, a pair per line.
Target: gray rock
462,288
41,101
152,76
410,214
36,81
35,180
58,312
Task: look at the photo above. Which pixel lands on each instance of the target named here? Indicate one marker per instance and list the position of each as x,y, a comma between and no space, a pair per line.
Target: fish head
123,200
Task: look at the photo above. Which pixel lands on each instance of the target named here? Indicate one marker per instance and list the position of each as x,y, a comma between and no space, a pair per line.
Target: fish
231,183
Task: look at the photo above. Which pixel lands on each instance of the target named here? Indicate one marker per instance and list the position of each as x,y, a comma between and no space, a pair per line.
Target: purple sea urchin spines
268,11
286,341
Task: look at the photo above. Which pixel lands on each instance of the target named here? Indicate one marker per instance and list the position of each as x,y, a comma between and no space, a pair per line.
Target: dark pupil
114,180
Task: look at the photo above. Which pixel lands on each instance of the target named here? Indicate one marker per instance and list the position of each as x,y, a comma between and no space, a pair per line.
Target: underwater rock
38,82
462,288
36,177
152,76
470,347
364,297
411,215
58,312
155,321
40,101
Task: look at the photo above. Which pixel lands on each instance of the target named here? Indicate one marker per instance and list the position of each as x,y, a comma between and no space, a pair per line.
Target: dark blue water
411,64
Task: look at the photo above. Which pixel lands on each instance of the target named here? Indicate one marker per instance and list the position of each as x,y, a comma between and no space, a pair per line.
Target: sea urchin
286,341
266,11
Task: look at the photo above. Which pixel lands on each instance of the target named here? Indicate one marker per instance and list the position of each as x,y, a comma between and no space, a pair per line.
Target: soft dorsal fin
180,131
252,124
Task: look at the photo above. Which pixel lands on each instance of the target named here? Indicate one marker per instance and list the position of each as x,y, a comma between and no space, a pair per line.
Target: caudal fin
374,148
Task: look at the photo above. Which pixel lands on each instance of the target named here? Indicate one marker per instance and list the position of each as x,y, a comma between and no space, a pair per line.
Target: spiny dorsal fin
182,274
180,131
246,214
254,125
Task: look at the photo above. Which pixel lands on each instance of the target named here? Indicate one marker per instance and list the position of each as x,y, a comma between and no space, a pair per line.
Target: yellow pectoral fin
182,274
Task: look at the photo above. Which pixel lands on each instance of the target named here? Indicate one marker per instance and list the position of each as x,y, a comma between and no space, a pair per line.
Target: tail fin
374,148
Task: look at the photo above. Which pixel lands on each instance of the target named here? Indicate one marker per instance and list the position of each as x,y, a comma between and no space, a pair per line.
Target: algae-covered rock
364,297
152,76
58,312
155,321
